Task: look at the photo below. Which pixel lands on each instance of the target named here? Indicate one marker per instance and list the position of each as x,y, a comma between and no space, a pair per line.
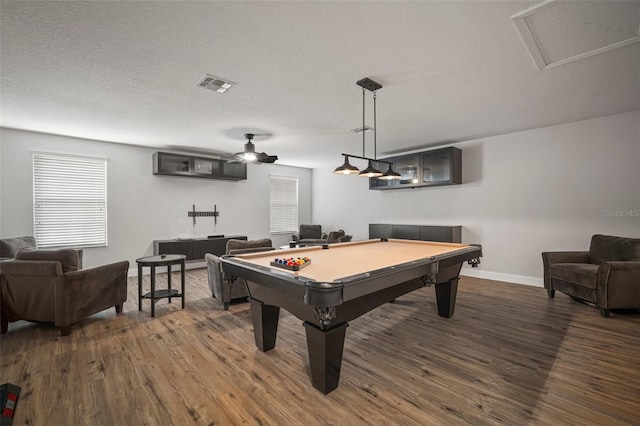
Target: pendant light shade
370,171
346,168
390,174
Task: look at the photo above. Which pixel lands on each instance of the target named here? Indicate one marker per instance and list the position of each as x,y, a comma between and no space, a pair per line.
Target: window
69,200
284,204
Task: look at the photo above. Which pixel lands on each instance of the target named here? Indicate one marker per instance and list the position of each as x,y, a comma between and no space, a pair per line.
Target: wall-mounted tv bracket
215,213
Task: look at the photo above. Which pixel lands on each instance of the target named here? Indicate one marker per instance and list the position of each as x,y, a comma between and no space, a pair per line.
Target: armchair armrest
79,294
551,257
295,237
618,285
34,268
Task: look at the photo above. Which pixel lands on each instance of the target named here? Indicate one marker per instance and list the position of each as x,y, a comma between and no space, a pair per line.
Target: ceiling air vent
214,83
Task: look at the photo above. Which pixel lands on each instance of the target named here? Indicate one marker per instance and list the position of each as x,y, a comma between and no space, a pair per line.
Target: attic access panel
558,32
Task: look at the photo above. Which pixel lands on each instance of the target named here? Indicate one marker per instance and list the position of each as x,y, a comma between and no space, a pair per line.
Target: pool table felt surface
347,259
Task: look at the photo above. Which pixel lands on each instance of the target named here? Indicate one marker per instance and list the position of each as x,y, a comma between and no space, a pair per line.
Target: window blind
69,201
284,204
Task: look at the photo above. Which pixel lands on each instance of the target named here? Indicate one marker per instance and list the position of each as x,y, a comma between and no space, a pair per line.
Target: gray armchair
608,275
310,234
338,236
49,286
222,288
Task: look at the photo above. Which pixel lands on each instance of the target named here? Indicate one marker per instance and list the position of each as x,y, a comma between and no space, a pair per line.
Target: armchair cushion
310,232
68,258
606,248
577,273
236,245
10,246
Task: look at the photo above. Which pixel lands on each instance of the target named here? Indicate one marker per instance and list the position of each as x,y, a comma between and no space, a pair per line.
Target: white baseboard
499,276
133,272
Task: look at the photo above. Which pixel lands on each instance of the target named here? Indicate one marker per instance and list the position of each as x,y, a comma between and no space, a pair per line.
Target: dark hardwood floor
508,356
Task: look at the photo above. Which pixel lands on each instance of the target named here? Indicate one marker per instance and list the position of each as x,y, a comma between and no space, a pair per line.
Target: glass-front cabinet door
438,167
206,167
172,164
410,171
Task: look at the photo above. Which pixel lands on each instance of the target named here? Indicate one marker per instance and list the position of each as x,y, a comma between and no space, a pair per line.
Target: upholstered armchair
338,236
222,288
309,234
608,275
48,286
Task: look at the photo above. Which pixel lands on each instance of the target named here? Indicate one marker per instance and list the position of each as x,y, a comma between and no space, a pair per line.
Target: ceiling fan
249,155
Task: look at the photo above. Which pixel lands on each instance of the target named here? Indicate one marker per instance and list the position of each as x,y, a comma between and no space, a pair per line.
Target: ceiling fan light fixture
249,156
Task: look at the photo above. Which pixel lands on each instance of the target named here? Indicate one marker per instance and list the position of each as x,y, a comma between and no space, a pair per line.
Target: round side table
153,262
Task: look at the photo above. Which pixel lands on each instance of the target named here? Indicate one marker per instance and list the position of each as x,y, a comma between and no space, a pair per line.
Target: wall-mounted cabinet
170,164
429,168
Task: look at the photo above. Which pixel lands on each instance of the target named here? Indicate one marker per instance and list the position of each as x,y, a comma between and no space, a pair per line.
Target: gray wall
522,193
143,207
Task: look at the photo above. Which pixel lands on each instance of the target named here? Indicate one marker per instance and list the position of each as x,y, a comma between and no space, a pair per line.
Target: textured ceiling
126,72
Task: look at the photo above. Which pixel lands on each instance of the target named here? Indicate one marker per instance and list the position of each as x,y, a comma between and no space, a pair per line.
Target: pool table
342,282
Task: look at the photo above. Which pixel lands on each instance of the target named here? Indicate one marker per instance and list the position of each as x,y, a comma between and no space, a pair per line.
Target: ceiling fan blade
268,159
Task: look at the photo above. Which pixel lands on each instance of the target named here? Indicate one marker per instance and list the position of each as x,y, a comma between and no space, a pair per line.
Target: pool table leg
325,355
446,297
265,324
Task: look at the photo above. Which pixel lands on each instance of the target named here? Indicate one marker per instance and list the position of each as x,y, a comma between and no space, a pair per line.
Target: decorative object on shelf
215,213
370,171
249,155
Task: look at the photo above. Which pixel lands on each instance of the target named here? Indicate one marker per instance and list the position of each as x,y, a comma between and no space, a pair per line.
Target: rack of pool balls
292,263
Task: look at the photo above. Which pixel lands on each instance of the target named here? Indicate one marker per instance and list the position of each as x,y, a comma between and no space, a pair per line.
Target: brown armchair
222,288
47,286
608,275
310,234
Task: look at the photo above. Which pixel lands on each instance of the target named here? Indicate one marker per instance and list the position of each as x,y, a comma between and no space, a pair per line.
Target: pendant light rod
363,132
375,126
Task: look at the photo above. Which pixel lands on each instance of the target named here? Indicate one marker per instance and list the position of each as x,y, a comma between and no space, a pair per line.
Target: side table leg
153,291
139,287
169,281
182,281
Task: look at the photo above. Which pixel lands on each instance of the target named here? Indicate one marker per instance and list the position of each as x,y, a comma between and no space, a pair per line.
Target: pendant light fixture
370,171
